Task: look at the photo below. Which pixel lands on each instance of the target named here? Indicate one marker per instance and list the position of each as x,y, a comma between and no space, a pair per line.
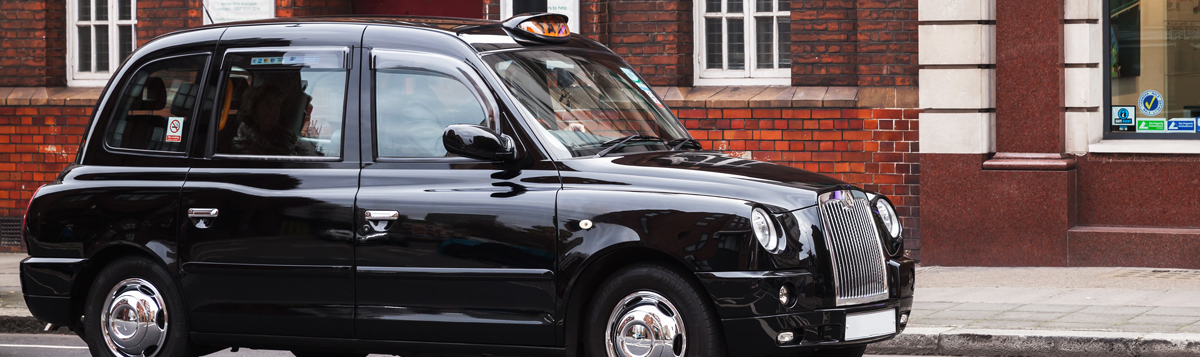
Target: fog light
786,337
784,295
904,318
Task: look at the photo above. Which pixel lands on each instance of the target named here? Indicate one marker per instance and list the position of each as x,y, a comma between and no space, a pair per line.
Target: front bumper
753,318
47,285
817,329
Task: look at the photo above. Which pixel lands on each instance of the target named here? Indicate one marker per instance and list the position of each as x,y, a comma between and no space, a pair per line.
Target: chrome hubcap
645,324
135,319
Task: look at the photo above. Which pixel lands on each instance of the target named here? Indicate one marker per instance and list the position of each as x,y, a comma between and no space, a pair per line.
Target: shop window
743,42
100,34
1153,66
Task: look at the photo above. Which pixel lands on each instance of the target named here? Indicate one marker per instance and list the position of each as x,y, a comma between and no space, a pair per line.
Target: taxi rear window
154,112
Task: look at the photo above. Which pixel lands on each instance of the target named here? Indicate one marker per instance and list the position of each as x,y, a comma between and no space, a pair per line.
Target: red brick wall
157,18
655,37
293,8
31,43
36,142
876,149
854,42
491,9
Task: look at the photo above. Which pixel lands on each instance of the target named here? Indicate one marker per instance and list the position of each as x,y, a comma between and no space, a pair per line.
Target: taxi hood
707,173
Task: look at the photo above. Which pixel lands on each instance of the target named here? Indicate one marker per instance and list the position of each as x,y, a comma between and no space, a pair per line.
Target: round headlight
887,213
764,229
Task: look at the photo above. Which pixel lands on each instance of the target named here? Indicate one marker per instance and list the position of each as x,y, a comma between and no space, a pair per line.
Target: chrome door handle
381,221
202,217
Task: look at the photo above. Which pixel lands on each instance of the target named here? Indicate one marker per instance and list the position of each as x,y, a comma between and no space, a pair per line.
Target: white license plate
870,324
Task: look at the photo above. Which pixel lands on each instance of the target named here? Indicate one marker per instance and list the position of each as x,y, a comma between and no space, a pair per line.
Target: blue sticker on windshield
642,85
285,60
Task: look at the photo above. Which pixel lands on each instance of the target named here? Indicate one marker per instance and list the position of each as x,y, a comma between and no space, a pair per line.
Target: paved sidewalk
1053,312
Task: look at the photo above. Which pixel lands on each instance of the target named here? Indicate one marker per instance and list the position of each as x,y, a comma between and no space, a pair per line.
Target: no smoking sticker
174,129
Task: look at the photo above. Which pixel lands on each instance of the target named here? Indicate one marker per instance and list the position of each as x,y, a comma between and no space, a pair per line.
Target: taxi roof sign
544,27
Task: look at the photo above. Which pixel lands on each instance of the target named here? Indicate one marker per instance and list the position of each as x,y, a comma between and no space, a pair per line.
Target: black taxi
432,186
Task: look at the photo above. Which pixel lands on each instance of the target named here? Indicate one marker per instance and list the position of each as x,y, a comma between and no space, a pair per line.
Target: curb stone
1038,343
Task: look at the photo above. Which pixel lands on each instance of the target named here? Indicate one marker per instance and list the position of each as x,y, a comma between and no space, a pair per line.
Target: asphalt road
16,345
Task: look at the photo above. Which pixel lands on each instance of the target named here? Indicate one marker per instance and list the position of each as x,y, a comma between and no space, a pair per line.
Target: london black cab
432,186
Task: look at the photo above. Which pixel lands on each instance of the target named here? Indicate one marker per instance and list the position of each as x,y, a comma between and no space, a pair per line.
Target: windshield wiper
681,142
616,143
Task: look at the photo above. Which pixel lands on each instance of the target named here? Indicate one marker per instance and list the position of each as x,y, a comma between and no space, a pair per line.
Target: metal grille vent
859,271
10,232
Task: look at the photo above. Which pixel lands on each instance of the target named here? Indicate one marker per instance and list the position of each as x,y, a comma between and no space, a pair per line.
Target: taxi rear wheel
134,309
651,310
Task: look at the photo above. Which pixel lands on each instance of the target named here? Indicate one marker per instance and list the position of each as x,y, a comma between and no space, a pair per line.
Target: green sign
1151,125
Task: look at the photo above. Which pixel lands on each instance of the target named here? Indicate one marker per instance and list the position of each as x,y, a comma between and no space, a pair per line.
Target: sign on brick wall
218,11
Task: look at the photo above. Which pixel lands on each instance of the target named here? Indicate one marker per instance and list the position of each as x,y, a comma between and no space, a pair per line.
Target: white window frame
75,78
751,75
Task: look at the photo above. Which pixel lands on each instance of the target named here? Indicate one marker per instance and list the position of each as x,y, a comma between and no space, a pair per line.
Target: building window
743,42
100,34
1153,67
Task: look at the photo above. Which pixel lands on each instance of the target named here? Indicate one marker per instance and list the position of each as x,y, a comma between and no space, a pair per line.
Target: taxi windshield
590,102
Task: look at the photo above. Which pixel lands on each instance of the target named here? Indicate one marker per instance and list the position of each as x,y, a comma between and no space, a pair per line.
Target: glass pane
126,7
588,102
712,39
282,104
154,111
102,48
414,107
734,6
85,10
784,5
737,44
712,6
785,42
764,40
102,10
763,5
126,42
85,49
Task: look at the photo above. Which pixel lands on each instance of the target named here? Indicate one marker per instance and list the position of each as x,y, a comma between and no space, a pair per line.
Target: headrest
184,101
237,88
152,97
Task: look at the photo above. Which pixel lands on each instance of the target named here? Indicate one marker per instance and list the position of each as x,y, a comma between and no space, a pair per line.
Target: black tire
175,319
326,354
842,352
701,325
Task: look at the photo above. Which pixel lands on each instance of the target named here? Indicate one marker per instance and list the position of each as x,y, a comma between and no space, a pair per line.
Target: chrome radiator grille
859,271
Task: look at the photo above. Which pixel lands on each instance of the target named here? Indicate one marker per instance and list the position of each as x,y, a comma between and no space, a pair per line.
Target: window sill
1145,147
85,96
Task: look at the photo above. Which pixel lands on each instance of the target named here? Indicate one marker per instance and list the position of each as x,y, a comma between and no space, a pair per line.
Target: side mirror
478,142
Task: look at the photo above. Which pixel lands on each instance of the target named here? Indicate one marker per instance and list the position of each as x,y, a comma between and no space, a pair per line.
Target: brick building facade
850,112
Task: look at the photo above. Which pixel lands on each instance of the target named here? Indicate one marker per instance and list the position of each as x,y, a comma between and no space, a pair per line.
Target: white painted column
957,55
1085,81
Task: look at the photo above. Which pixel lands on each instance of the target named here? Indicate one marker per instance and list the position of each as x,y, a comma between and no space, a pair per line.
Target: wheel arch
581,289
96,263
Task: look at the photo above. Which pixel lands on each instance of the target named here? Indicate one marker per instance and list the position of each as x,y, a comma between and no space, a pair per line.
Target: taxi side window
154,111
282,104
416,100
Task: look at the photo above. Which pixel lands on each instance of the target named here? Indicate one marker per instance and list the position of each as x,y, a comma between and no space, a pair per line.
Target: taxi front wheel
651,310
134,309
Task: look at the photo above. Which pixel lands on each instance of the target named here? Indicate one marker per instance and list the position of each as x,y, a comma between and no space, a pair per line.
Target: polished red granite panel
1135,247
971,216
1029,76
1139,190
